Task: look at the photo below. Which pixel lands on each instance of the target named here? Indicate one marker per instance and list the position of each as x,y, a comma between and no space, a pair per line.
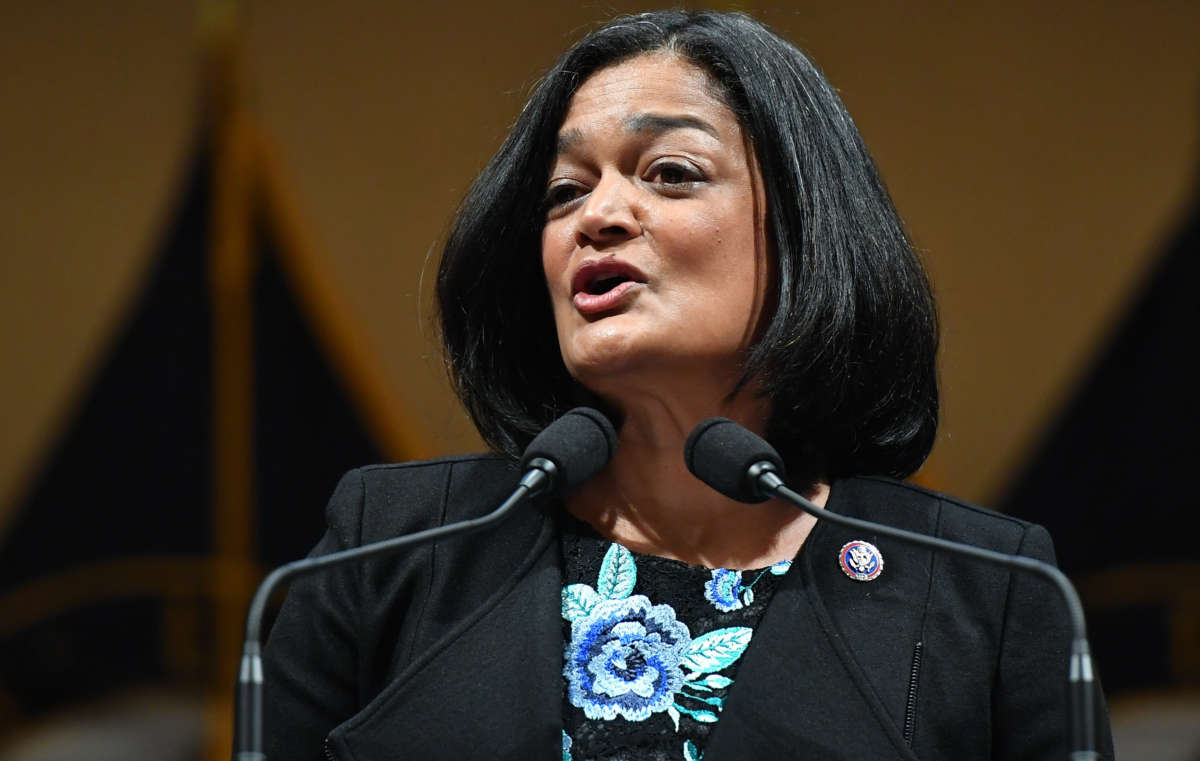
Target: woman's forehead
644,92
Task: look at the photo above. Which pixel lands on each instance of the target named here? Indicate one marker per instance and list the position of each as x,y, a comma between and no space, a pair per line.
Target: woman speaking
683,223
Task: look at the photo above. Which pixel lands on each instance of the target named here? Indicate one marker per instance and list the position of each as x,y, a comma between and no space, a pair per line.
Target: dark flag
1112,481
112,567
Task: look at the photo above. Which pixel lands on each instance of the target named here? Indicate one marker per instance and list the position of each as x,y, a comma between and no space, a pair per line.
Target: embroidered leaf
712,682
618,574
747,596
717,649
692,675
690,753
566,746
706,717
578,600
781,567
718,702
673,712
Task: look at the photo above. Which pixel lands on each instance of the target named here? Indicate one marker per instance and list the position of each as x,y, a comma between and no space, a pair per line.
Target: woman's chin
608,346
598,367
621,377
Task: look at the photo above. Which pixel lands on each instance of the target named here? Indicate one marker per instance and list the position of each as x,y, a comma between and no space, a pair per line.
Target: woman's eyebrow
656,123
664,123
566,140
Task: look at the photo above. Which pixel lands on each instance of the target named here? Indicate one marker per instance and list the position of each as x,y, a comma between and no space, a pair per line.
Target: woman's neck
647,500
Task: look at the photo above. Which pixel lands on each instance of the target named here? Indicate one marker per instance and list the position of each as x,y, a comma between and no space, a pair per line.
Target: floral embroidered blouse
652,648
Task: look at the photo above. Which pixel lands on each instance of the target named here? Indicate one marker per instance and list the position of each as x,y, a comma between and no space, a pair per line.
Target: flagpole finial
221,34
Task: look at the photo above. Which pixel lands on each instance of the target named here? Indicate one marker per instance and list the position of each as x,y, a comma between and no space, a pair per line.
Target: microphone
743,466
570,450
566,453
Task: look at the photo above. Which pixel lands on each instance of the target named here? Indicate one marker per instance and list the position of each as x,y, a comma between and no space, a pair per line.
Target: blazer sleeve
311,661
1030,706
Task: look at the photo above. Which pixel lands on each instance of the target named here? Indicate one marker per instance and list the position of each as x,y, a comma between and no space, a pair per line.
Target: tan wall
1039,152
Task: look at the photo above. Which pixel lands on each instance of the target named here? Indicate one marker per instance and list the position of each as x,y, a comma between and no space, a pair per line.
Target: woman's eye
672,173
562,193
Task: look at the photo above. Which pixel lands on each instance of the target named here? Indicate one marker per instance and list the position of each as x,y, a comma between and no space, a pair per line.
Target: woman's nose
608,215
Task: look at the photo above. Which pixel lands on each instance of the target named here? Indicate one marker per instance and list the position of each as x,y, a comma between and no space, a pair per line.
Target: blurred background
220,229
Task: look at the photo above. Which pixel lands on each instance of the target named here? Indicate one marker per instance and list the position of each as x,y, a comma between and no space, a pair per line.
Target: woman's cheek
555,258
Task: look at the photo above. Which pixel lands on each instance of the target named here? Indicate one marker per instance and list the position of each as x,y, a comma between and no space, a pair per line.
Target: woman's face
653,247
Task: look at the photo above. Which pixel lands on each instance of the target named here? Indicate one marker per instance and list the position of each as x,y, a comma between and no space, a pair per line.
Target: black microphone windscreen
720,452
580,444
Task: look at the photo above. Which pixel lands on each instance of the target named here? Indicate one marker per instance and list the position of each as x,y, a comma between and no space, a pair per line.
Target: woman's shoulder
477,465
908,505
382,500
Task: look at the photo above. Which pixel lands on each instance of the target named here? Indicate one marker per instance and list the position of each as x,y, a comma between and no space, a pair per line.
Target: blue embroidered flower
624,659
724,590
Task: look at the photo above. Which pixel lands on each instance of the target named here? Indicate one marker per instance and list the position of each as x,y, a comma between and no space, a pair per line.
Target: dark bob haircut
848,355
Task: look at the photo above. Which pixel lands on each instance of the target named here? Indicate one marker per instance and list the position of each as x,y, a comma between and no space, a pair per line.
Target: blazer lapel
488,689
836,652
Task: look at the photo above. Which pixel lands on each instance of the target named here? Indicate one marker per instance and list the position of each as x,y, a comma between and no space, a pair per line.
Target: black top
652,647
455,650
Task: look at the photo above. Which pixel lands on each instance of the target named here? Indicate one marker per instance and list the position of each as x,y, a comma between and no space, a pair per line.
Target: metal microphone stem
1081,678
248,730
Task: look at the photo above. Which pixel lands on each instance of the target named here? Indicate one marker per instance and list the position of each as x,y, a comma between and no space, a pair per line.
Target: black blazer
455,651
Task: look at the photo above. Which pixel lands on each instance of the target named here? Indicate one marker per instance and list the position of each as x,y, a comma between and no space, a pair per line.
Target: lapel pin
861,560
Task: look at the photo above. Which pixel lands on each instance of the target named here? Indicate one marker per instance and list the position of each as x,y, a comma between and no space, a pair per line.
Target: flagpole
230,274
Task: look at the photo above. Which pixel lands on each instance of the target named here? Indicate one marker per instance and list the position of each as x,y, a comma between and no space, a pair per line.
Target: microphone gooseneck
743,466
566,453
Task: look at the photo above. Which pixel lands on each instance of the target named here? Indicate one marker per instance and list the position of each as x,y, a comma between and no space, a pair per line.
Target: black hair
848,355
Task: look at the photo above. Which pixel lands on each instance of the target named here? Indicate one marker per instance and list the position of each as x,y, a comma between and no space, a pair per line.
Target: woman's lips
595,303
589,286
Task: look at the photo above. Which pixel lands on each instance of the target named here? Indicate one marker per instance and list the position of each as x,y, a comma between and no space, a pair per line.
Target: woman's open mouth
603,285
